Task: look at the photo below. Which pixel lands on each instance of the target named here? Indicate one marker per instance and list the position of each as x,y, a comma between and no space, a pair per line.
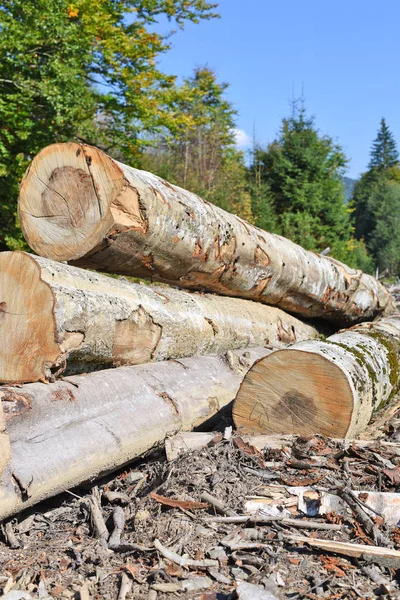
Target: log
56,317
330,387
79,205
68,432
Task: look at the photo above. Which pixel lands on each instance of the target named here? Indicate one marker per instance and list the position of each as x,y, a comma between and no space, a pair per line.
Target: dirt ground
152,532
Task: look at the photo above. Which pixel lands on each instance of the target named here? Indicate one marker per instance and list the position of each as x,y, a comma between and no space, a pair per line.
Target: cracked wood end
70,198
330,387
27,323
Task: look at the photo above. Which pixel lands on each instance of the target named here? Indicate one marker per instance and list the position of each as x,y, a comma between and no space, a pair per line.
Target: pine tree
384,153
363,203
385,239
376,201
303,172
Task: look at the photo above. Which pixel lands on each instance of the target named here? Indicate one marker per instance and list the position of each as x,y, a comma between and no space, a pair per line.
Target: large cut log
67,432
79,205
54,315
330,387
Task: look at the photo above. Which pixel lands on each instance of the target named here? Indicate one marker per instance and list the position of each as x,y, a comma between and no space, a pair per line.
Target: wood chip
378,554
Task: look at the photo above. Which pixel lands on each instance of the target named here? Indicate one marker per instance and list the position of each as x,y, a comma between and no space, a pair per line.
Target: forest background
89,72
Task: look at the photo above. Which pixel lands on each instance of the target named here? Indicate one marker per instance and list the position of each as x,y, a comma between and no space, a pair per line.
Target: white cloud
242,139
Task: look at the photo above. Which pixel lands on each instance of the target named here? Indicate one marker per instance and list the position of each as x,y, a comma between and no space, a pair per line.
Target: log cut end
27,327
65,198
294,391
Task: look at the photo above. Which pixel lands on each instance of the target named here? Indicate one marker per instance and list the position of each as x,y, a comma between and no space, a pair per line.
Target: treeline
79,71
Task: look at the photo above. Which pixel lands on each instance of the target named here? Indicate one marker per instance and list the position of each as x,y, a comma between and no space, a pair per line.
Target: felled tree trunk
58,317
67,432
330,387
79,205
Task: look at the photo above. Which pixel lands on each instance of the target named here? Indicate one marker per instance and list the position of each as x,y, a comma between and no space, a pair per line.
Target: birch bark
67,432
330,387
79,205
61,318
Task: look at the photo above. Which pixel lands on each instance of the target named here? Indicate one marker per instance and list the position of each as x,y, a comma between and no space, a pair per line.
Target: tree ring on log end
65,198
27,325
294,392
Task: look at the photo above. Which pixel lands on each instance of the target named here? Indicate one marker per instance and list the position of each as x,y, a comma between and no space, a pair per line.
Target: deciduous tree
200,153
78,68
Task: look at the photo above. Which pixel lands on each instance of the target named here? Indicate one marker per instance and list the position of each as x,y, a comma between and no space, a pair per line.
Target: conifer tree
303,172
384,153
376,201
385,239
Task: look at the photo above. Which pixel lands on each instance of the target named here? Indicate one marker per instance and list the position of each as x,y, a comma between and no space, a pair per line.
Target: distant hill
349,187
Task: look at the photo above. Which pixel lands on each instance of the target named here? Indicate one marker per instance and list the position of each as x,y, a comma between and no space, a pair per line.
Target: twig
84,593
114,541
219,576
369,526
319,590
73,494
260,473
377,554
250,546
181,560
119,523
218,504
304,464
242,519
98,523
126,586
281,520
10,536
376,576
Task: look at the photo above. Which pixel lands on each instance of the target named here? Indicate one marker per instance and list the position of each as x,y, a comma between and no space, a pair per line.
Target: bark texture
67,432
330,387
78,204
56,317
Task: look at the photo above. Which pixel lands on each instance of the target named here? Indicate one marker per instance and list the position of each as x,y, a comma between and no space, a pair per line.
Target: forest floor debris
224,521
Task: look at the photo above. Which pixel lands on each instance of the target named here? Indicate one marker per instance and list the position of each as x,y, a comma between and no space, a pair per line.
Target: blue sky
344,55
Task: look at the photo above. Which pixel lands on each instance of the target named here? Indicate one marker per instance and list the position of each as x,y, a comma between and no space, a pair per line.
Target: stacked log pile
59,321
58,317
79,205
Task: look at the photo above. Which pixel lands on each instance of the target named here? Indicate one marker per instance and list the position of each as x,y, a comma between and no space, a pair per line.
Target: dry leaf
185,504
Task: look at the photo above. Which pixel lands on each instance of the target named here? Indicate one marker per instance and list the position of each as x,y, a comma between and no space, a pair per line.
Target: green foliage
302,177
200,153
385,238
376,202
85,70
262,200
363,203
357,256
384,153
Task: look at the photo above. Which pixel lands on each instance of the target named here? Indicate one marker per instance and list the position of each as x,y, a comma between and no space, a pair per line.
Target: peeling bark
77,430
57,318
330,387
78,204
